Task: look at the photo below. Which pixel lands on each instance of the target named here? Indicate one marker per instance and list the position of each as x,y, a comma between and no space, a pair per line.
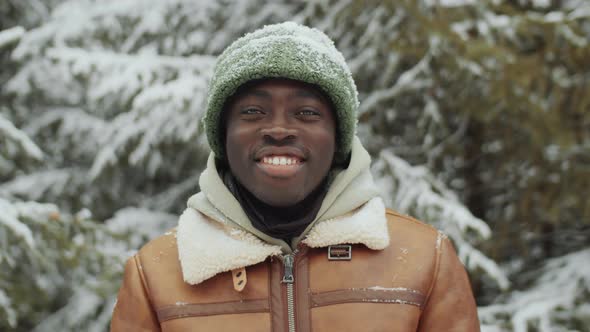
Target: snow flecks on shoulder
441,236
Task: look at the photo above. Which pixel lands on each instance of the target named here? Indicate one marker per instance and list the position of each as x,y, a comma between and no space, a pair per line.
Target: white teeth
279,160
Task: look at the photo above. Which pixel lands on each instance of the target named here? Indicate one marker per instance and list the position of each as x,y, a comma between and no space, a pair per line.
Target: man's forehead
297,89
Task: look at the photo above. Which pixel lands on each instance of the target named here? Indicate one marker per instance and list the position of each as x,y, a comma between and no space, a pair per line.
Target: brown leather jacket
416,283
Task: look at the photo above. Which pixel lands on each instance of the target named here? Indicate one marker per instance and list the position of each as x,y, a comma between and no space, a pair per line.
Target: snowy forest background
476,113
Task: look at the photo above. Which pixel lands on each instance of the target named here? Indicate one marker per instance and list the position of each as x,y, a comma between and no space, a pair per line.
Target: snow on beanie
285,50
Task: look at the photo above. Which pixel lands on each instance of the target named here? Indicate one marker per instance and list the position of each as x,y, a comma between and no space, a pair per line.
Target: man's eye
251,111
309,113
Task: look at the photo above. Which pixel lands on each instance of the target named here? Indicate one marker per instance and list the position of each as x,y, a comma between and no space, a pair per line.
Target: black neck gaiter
279,222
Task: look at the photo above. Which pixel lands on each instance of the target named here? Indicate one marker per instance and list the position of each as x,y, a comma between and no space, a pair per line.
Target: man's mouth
280,166
277,160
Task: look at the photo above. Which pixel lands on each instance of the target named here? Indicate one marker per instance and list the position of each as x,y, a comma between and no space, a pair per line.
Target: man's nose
280,125
278,132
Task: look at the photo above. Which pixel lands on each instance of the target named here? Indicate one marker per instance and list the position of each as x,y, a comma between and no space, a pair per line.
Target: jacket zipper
289,279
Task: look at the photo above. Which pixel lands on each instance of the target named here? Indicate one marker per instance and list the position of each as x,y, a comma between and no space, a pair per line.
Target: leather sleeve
450,304
133,311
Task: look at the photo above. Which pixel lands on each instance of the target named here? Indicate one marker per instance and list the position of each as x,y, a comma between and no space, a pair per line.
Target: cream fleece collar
350,188
207,247
215,235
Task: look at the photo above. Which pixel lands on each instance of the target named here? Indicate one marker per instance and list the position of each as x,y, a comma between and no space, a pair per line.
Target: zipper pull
288,276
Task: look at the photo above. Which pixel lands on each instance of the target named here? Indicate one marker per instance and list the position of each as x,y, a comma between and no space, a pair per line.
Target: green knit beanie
287,50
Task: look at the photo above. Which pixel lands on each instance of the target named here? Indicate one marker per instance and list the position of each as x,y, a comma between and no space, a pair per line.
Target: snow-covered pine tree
112,93
488,96
116,114
555,300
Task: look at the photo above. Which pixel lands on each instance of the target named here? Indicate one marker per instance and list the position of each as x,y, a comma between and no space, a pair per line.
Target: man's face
280,140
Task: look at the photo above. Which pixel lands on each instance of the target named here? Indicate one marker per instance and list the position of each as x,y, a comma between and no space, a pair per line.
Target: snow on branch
84,60
161,114
74,131
7,307
21,143
80,22
124,75
552,303
165,200
15,227
450,3
135,26
166,95
10,36
414,190
35,185
72,120
82,307
10,218
132,221
68,261
408,81
89,303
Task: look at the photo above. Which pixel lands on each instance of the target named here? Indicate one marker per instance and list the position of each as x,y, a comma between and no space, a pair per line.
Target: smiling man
280,139
288,233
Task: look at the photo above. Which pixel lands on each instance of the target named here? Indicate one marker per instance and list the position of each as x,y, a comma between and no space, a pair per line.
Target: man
287,233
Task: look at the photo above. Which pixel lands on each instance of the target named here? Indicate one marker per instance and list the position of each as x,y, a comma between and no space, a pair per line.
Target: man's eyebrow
256,93
309,94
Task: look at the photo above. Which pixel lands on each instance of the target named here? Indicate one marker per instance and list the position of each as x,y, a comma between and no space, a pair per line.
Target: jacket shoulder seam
438,247
144,284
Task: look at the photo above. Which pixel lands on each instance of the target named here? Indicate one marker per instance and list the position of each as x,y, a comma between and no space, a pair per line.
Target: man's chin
280,198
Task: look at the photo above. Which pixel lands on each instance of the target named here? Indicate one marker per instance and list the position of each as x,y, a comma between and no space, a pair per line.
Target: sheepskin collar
207,247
